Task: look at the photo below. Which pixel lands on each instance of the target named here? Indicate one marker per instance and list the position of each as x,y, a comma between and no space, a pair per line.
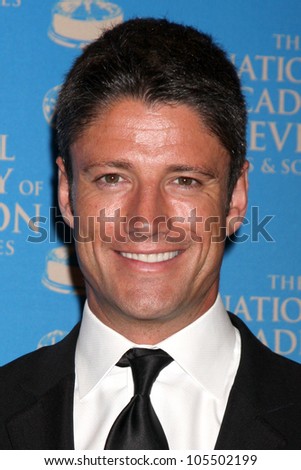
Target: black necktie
137,426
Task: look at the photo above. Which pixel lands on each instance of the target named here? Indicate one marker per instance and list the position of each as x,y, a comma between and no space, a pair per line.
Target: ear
64,193
239,202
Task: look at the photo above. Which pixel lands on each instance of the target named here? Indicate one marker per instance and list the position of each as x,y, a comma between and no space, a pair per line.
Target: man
152,178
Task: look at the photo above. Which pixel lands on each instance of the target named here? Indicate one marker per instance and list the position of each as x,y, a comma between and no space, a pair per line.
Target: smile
152,257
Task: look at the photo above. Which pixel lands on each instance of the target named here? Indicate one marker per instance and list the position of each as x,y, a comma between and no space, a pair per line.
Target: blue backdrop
41,287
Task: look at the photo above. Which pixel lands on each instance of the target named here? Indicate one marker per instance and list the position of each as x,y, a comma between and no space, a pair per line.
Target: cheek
86,258
207,221
93,216
215,229
85,223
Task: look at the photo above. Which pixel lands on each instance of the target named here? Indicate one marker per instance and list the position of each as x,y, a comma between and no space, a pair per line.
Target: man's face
149,200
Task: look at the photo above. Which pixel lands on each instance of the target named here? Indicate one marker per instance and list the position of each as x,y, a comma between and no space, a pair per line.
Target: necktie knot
146,364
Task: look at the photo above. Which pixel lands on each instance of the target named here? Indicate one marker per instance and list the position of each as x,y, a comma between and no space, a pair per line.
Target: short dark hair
156,61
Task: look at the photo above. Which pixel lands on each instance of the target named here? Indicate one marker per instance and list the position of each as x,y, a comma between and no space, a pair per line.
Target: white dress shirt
189,395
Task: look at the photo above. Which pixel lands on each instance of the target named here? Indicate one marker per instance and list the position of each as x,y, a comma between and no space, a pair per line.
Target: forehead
138,129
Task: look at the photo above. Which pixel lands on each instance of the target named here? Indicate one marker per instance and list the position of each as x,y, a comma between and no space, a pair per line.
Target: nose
147,213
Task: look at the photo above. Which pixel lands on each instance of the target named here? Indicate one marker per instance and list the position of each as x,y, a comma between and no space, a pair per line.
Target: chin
148,310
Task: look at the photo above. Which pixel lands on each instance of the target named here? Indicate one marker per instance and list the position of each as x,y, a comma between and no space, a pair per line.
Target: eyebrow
122,164
193,169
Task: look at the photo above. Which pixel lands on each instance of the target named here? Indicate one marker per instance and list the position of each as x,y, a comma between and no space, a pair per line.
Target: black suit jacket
263,410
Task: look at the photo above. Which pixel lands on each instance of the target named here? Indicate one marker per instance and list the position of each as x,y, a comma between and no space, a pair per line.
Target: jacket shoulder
273,381
261,356
38,370
36,398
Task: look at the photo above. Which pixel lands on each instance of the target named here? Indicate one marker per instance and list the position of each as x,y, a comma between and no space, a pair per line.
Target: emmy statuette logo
76,23
62,274
49,104
51,338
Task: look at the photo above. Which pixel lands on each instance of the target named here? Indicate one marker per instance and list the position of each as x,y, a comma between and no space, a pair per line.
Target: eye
186,181
110,179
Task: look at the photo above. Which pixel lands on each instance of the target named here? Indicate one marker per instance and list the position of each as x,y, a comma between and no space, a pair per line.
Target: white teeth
151,258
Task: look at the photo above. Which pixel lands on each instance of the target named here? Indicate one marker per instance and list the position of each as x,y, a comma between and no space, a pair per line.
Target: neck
148,331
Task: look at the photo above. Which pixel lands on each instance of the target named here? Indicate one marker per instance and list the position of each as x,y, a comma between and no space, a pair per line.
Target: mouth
151,257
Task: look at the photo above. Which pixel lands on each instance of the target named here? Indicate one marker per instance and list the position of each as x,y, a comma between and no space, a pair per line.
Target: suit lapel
253,409
244,428
47,424
45,420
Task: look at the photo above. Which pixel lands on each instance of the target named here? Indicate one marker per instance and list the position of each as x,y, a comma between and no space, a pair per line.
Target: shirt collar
98,349
208,349
205,349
